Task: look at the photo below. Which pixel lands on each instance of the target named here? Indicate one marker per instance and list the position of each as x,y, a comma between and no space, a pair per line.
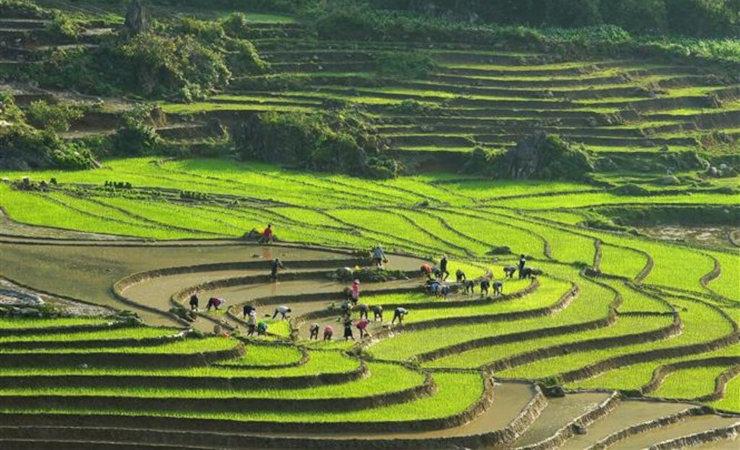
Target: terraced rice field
616,319
659,319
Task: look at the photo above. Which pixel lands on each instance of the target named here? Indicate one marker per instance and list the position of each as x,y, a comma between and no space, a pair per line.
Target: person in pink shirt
362,326
328,333
355,291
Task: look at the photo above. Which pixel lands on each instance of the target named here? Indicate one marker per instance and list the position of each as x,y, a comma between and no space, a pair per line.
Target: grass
729,279
689,383
636,376
114,334
374,384
591,304
731,400
701,324
455,393
40,324
485,355
185,347
267,356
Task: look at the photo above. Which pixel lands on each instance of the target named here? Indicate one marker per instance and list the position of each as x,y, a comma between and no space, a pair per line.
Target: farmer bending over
460,276
262,328
247,310
328,333
215,303
314,332
497,288
399,314
364,310
283,311
362,326
377,313
426,269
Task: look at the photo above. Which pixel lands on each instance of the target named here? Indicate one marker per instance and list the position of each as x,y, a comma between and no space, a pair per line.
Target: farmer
348,329
426,269
445,290
355,291
262,328
362,326
498,288
460,276
522,263
328,333
283,311
364,310
267,235
314,332
434,287
399,314
485,285
247,310
469,286
346,307
377,313
379,256
509,271
252,323
274,267
194,301
443,272
214,302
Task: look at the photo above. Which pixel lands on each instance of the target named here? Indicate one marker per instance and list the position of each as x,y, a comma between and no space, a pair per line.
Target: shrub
185,59
63,25
405,64
136,136
24,147
685,17
22,8
54,117
161,65
546,157
339,141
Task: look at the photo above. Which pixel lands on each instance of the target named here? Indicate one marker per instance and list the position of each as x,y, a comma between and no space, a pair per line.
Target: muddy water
728,444
558,413
691,425
87,272
625,415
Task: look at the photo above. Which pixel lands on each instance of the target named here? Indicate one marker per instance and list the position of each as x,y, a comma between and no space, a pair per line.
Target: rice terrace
369,224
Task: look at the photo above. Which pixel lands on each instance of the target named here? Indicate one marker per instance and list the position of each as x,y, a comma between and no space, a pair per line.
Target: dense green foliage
53,117
25,147
571,32
184,59
540,157
341,141
700,18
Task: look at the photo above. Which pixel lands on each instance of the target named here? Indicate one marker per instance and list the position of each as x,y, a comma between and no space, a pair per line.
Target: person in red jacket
267,236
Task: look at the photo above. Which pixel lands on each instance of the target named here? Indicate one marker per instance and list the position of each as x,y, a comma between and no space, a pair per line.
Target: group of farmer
436,284
352,304
213,303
